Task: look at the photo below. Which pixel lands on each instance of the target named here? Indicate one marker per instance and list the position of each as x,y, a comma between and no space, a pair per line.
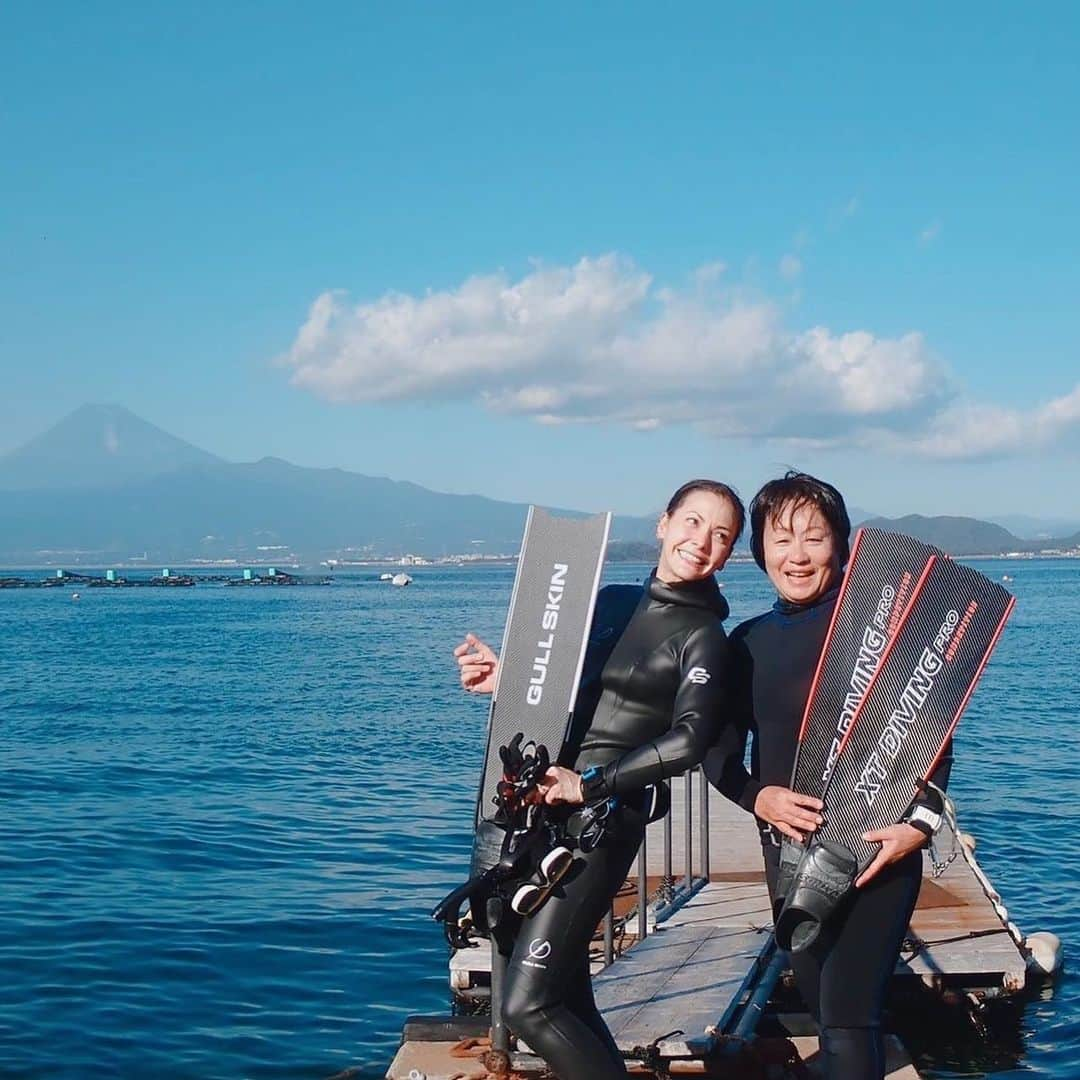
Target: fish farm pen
165,579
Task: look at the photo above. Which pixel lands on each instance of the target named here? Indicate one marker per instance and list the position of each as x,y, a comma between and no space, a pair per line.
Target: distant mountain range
969,536
105,486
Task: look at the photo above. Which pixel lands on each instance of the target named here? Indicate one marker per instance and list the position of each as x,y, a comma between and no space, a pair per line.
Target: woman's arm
790,812
697,712
478,663
927,807
725,762
794,814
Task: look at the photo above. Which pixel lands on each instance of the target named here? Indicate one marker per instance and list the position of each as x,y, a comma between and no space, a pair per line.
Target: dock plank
682,977
685,974
740,905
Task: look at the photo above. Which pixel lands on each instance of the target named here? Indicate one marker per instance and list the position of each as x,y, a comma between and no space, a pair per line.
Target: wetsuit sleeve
725,762
939,778
697,715
928,798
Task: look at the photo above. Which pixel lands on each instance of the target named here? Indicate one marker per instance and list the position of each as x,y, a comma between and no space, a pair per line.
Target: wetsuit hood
703,594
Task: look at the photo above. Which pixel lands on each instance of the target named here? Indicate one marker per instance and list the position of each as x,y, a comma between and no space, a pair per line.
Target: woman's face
801,557
696,538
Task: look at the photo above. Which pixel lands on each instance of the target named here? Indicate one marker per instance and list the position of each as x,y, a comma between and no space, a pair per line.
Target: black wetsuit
651,703
844,976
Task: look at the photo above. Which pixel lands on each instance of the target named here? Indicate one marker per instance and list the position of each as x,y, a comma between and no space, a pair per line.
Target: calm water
227,812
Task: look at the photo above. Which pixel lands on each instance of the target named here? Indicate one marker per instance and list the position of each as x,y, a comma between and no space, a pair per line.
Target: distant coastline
463,562
104,488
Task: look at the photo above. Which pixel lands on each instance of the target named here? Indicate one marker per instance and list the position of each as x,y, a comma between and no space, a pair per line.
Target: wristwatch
593,783
927,821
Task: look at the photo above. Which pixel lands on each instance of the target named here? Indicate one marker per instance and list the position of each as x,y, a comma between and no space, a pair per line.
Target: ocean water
227,813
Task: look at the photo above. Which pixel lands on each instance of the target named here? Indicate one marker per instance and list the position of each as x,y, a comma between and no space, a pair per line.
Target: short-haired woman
799,537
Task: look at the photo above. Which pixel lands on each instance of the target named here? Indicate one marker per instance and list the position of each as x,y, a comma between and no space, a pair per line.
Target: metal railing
674,890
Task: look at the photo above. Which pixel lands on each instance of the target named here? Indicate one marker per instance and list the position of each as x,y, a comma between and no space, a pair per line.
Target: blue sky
570,254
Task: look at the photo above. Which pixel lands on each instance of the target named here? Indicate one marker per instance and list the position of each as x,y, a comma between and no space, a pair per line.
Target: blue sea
228,811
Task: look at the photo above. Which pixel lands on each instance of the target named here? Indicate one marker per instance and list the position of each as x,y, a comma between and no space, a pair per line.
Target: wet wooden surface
681,978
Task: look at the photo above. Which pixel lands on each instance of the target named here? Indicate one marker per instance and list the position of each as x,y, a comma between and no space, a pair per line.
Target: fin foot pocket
527,898
824,877
555,864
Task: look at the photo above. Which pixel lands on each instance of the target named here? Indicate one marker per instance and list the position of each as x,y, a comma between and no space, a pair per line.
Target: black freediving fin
824,876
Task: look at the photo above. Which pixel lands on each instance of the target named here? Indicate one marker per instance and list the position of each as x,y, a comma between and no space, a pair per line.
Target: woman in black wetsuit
799,537
650,711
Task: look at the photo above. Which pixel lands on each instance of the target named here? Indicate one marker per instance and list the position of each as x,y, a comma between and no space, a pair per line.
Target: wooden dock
956,935
688,974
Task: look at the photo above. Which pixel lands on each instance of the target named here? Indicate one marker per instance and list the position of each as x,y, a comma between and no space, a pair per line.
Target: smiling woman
799,537
697,531
652,702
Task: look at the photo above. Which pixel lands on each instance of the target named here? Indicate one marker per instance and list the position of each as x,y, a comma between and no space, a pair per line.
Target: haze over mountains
104,485
98,446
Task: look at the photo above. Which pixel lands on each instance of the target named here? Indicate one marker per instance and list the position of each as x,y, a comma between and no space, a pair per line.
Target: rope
991,894
649,1055
913,946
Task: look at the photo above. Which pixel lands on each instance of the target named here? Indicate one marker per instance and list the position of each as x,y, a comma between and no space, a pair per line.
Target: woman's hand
477,665
897,841
793,814
559,785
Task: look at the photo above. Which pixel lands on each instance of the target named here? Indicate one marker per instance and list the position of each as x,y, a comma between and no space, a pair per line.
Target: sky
561,253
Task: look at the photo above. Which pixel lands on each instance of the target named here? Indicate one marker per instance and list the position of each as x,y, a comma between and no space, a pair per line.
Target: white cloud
870,375
489,332
973,431
599,342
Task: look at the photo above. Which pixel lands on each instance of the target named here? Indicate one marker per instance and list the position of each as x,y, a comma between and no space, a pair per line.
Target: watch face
923,815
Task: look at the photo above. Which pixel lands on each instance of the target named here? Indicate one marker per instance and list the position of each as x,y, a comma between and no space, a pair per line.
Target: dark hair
797,489
713,487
